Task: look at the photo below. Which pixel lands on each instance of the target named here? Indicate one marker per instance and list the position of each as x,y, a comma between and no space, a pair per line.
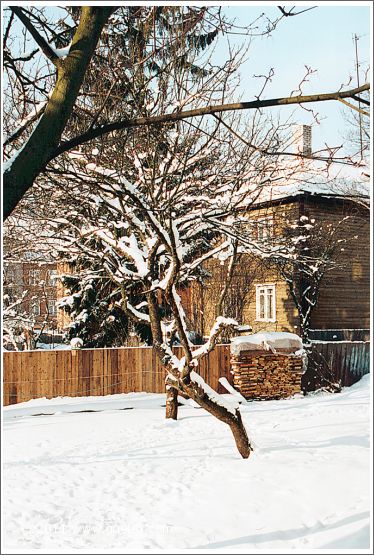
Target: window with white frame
9,275
265,228
34,277
52,277
35,307
52,311
265,303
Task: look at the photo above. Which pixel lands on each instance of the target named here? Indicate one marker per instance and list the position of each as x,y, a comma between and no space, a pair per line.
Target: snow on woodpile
267,341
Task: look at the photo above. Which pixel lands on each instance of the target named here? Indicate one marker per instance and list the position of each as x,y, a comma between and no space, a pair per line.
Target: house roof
350,182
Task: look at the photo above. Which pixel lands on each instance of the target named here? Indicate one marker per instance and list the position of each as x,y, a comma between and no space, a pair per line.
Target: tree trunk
171,402
240,435
41,145
192,390
224,415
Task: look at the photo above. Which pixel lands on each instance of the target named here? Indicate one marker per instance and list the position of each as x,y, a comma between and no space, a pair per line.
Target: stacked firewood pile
265,375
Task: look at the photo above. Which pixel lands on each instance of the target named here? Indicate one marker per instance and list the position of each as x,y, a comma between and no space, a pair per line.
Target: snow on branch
229,404
62,52
176,364
136,313
224,382
24,123
220,324
210,254
124,186
43,44
129,247
181,314
7,165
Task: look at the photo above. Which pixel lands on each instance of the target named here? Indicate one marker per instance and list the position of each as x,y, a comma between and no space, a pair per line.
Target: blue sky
321,38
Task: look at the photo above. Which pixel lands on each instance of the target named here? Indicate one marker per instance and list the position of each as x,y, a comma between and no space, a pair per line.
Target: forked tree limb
360,110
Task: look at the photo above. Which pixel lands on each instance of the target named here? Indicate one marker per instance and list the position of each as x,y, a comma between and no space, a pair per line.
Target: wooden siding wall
344,299
345,292
286,313
34,374
341,362
255,271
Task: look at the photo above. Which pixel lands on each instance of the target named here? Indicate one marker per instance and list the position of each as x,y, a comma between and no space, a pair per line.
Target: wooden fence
339,362
341,334
33,374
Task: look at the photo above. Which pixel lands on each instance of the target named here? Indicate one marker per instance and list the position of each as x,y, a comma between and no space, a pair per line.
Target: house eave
303,195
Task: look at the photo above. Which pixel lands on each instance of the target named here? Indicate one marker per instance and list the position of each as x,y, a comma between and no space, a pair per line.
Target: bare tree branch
291,13
27,163
26,123
360,99
38,38
360,110
208,110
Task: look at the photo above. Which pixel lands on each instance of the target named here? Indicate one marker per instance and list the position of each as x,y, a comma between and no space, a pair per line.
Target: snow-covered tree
92,302
15,322
153,248
151,223
19,326
181,77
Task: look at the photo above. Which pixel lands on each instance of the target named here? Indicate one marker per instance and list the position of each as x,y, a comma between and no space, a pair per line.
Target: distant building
35,281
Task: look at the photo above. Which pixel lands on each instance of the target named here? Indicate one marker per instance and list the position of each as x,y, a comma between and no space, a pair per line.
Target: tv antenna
356,39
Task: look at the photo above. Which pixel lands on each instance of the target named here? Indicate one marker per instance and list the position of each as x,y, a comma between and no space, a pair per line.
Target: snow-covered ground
130,480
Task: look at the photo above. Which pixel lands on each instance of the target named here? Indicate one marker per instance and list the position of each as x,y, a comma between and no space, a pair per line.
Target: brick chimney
303,139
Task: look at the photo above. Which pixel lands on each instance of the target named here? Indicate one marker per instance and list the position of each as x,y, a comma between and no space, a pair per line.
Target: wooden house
337,227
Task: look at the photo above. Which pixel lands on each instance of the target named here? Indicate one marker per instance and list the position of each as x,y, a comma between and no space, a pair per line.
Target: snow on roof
267,341
338,181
